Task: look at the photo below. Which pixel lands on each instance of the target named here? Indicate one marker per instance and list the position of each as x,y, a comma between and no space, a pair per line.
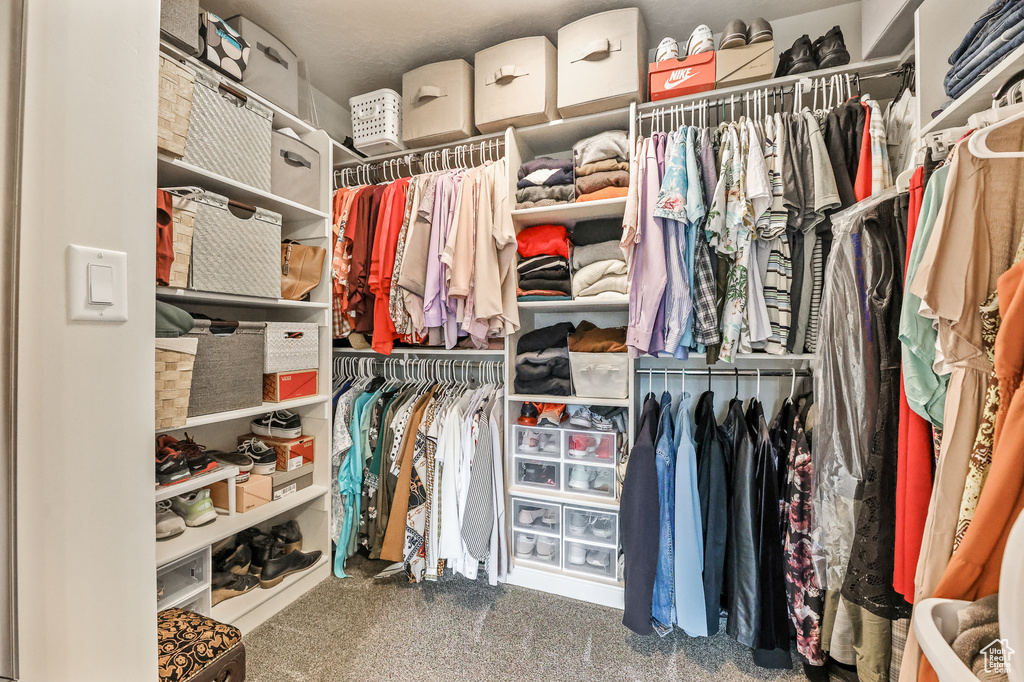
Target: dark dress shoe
802,57
830,49
228,585
235,560
288,535
278,568
785,61
262,547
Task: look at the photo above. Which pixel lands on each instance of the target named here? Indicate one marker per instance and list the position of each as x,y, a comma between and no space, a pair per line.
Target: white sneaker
168,524
525,545
530,442
579,478
601,558
577,555
701,40
668,48
546,547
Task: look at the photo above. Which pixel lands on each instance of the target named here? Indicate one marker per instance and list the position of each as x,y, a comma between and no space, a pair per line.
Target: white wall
87,592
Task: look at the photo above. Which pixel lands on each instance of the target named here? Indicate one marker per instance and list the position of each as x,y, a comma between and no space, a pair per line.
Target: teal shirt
926,391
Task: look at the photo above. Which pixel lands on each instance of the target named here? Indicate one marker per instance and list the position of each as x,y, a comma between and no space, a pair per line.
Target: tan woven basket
175,106
184,216
173,387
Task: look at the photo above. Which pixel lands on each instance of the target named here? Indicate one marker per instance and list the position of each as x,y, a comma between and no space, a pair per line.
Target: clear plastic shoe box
537,548
538,473
535,516
595,526
537,441
182,580
595,447
590,479
592,560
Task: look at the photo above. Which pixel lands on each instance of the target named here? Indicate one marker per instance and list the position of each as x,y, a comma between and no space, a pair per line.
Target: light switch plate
90,280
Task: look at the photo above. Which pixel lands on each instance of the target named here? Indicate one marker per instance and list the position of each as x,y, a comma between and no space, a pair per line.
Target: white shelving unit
309,506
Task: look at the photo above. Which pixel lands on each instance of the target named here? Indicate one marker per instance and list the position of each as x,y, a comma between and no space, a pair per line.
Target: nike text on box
677,77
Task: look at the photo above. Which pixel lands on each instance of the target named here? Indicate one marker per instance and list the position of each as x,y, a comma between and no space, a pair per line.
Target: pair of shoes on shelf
586,478
600,526
585,418
534,442
826,52
272,556
188,510
542,414
180,460
544,546
279,424
536,473
582,446
598,558
548,516
738,34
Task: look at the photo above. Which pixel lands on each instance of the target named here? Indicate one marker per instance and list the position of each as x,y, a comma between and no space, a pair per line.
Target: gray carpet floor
359,629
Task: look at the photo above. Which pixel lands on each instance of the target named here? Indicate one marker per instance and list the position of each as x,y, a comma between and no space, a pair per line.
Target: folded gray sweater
607,145
555,192
582,256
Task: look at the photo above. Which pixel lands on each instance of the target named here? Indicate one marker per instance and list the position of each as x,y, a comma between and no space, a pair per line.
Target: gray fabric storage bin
229,133
273,69
179,24
228,372
294,170
235,254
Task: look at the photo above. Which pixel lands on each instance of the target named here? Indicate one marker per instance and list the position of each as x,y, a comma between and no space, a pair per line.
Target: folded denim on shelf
563,285
588,232
546,177
611,144
602,165
542,162
549,386
584,255
544,240
542,265
599,277
606,193
557,193
552,336
589,338
596,181
539,204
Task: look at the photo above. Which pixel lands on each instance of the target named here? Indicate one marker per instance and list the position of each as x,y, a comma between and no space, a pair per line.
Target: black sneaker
228,585
233,560
264,459
171,466
528,414
279,424
288,535
830,49
275,570
199,461
539,474
234,459
802,57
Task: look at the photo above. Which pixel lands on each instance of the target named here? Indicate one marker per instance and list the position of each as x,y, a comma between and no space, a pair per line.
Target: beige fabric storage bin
600,375
602,62
516,84
437,103
294,170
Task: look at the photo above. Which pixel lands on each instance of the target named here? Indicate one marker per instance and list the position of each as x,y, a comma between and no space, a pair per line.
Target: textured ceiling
352,47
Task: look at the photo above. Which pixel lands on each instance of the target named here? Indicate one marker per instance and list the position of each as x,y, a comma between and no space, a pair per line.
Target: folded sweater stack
589,338
545,182
598,264
602,166
544,263
542,361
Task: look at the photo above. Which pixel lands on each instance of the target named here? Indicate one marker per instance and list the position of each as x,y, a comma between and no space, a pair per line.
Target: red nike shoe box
677,77
282,386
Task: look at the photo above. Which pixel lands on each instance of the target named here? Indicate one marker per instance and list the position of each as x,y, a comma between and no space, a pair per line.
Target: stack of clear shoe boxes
560,534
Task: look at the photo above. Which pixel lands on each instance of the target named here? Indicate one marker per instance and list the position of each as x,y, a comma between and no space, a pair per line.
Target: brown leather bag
301,269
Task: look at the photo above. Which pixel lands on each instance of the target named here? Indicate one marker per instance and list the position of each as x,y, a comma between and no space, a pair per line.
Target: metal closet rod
803,372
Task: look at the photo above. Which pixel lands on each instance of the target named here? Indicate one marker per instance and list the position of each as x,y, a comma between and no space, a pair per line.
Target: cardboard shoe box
282,386
288,482
677,77
292,453
255,492
747,64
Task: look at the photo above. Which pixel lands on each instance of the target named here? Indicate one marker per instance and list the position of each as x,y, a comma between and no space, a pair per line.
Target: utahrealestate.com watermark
997,656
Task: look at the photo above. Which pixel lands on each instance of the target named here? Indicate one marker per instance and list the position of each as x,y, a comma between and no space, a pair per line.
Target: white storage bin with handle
516,84
273,69
437,103
291,346
602,62
599,375
377,121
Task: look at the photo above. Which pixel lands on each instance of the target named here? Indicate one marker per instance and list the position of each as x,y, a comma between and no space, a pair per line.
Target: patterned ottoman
194,648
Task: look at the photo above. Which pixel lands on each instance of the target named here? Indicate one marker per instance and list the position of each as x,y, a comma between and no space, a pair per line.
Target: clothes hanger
978,142
757,392
709,379
792,385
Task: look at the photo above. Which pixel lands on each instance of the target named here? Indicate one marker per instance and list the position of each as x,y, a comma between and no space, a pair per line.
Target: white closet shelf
355,161
229,524
173,172
402,352
561,214
978,97
221,473
216,417
559,136
572,499
172,295
871,66
576,305
568,400
231,610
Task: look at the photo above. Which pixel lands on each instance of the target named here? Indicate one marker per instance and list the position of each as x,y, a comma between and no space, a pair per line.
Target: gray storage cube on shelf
228,372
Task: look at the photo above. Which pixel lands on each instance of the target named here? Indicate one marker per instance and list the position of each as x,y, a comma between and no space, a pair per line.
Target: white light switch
97,284
101,284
